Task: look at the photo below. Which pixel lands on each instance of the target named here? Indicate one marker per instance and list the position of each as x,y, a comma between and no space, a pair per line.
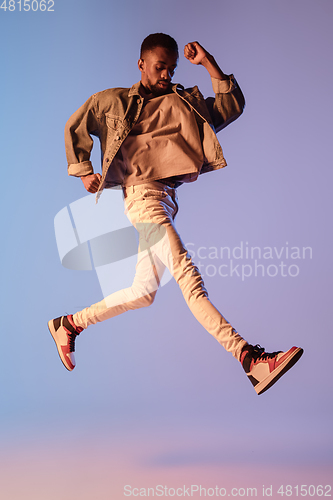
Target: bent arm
196,54
229,101
78,141
228,104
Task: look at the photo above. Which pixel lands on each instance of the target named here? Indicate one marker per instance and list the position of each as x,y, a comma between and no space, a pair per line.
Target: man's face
157,69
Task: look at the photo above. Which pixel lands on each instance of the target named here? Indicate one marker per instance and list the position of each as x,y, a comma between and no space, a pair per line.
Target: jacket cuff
223,86
80,169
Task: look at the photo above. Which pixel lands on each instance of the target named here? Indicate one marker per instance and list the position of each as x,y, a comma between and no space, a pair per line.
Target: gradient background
154,399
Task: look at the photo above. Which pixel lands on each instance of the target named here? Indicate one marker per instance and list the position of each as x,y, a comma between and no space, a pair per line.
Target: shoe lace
259,353
72,337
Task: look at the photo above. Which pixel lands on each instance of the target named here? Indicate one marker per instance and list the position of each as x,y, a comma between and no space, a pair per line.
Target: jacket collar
134,90
190,95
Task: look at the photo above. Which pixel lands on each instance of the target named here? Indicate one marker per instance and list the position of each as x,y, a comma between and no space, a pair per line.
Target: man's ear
140,64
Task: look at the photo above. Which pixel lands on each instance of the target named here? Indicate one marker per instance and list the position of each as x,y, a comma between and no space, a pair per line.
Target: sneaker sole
278,372
61,354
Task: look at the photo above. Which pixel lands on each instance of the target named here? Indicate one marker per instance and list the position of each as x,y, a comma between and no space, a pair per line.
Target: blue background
154,399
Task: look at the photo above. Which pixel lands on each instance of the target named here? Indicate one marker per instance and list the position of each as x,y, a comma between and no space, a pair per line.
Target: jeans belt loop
128,190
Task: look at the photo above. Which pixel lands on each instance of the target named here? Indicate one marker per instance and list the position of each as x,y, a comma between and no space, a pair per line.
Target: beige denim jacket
111,114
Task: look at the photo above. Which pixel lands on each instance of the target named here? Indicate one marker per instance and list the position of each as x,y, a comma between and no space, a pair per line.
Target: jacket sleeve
78,141
228,104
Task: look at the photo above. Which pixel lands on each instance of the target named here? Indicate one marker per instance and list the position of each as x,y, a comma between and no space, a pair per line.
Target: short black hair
158,40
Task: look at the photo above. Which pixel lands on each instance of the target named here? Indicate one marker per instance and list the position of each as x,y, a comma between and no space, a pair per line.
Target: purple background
154,400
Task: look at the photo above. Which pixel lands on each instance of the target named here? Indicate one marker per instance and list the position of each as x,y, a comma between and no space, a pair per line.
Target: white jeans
152,208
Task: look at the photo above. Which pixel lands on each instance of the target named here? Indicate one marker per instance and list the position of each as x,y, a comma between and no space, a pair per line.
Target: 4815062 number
26,5
305,491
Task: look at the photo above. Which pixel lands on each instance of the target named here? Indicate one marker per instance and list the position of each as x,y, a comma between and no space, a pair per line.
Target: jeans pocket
154,194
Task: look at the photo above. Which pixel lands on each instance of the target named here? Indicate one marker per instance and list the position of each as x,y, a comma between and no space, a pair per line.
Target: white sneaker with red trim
64,333
264,368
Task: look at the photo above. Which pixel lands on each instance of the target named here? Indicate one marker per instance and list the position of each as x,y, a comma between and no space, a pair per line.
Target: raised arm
196,54
229,101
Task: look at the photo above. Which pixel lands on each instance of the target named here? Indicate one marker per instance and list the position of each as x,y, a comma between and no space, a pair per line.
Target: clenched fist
194,52
91,182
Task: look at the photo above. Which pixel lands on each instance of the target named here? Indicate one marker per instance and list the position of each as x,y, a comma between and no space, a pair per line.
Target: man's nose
166,75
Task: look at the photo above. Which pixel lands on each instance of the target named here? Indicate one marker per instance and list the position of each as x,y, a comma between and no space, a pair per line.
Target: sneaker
264,368
64,333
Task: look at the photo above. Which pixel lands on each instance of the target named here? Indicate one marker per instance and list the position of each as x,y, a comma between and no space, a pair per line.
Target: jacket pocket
113,122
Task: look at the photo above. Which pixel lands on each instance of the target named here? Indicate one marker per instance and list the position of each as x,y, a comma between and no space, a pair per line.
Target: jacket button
107,160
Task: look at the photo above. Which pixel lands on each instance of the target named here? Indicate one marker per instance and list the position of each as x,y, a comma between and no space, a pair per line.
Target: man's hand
196,54
91,182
